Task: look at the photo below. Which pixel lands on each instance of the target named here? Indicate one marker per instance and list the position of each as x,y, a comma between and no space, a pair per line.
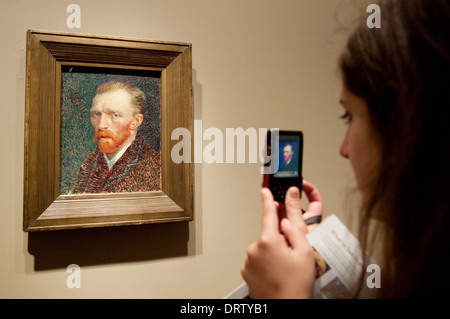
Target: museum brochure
339,263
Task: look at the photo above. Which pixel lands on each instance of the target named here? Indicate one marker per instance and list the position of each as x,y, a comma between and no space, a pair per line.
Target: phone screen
289,156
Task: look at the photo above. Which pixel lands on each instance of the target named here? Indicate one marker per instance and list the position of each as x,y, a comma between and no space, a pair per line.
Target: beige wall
257,63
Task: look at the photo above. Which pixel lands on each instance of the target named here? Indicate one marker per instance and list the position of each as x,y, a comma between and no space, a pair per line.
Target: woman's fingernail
294,192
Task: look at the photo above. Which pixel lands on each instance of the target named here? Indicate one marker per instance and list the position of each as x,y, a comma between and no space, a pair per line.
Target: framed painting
99,112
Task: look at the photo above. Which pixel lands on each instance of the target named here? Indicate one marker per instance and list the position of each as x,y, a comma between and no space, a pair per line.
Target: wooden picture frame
45,208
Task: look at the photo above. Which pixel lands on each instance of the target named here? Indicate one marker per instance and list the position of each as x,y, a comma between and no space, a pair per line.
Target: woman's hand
281,263
315,206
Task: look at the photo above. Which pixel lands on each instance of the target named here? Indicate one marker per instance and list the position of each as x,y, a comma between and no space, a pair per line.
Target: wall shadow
108,245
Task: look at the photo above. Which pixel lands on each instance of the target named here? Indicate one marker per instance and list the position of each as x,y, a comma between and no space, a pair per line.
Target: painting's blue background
78,86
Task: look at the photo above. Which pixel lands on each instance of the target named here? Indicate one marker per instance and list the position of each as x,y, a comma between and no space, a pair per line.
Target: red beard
109,142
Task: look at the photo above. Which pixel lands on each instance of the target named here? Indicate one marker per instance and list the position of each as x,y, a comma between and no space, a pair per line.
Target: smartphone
285,162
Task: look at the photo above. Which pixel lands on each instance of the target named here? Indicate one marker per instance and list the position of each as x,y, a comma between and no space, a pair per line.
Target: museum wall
256,64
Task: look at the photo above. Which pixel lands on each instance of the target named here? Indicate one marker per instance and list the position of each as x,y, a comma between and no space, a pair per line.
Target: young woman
395,82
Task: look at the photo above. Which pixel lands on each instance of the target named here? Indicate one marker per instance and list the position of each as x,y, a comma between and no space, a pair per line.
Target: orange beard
109,142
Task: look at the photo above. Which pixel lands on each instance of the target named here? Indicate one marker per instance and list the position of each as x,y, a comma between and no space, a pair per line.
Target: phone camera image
290,155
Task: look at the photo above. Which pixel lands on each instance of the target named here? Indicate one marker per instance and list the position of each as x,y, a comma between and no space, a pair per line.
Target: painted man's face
112,118
287,153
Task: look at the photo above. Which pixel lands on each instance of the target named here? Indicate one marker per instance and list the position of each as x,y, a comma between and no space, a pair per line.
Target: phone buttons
279,193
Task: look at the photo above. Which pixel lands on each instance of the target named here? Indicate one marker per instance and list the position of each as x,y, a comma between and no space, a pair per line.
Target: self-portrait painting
98,115
110,131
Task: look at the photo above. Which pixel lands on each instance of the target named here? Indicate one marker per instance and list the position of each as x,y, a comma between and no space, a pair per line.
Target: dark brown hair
402,72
